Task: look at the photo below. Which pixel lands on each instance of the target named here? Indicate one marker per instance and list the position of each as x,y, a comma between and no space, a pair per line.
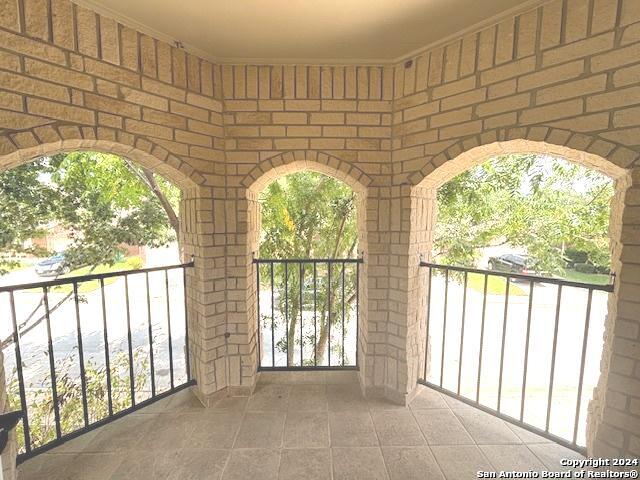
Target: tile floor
314,425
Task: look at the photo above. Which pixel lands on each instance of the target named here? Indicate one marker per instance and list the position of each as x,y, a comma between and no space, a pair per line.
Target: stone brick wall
560,78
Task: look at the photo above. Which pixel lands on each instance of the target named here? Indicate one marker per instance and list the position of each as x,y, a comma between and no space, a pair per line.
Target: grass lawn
495,285
596,278
92,285
19,266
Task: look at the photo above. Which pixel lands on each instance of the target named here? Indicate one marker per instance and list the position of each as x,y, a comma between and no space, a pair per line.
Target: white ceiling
307,31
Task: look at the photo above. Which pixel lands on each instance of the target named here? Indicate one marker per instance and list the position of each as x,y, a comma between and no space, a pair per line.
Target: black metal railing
308,313
114,342
524,348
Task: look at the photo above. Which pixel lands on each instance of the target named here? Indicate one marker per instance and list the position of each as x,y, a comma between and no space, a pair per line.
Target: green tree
23,196
545,205
103,200
309,215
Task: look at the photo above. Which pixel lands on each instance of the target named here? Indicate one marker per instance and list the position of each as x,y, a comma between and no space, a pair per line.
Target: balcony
314,425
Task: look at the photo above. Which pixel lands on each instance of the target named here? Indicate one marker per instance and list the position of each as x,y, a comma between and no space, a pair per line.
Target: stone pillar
203,238
613,425
397,292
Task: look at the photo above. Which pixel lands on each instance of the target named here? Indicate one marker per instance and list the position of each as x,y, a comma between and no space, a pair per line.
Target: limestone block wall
561,78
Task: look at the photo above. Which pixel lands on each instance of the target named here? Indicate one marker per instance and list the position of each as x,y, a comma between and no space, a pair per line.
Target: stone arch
20,147
620,163
298,160
588,150
244,369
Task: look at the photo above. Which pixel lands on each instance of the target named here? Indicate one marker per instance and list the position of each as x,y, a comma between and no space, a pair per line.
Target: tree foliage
544,205
102,200
309,215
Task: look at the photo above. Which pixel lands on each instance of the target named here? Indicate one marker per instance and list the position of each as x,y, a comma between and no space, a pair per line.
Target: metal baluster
553,357
444,323
464,309
186,325
585,336
426,346
329,314
315,318
301,336
273,325
484,312
504,337
286,307
23,396
258,313
166,288
150,325
52,367
357,308
83,378
131,373
526,352
106,347
343,312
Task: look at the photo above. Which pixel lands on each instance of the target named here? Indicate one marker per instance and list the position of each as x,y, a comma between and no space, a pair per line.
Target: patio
311,425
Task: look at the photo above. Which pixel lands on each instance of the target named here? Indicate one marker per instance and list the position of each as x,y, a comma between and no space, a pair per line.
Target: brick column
613,428
202,223
397,293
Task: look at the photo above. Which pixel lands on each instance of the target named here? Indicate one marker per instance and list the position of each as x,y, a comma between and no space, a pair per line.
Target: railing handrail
308,260
88,278
531,278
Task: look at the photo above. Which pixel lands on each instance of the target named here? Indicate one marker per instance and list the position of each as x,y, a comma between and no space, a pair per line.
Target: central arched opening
519,282
308,272
307,238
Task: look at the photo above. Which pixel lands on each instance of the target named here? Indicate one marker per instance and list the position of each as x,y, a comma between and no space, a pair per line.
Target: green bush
41,413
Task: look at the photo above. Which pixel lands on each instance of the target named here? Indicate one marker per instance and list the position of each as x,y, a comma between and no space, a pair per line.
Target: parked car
511,263
54,265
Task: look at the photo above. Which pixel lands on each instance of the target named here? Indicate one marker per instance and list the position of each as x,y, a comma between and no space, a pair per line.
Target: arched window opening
308,273
518,290
89,276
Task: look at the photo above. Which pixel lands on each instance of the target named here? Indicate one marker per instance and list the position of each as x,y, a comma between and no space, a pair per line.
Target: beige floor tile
526,436
411,463
511,457
269,398
352,429
168,431
551,453
486,429
252,464
345,397
186,464
306,430
358,464
442,427
230,405
122,434
460,462
396,428
214,431
261,430
306,463
92,466
308,398
427,399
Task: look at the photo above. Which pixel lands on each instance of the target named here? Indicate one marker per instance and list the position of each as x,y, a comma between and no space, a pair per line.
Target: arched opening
106,303
506,340
307,221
